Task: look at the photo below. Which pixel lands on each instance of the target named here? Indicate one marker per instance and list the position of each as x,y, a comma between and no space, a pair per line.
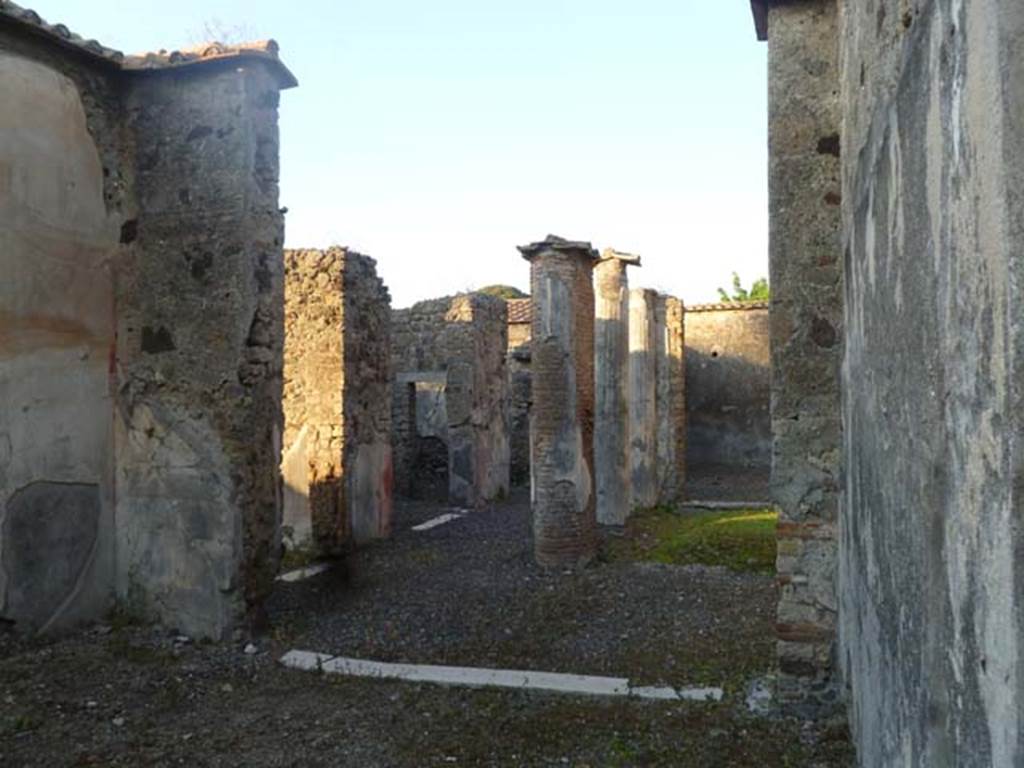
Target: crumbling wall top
58,34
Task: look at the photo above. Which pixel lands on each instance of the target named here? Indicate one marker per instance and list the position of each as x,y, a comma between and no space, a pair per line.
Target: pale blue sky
436,136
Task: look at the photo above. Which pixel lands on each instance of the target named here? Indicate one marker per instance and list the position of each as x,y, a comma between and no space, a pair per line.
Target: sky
437,136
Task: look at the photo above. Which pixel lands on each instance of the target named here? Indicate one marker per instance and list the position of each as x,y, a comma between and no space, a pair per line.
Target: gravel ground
464,593
723,482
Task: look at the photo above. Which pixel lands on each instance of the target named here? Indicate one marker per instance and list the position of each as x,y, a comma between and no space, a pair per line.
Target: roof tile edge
60,35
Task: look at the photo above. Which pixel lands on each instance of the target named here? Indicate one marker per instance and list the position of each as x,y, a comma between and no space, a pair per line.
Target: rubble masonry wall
141,340
465,339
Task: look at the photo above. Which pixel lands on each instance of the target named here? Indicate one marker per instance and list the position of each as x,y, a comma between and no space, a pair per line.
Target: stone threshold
480,677
725,505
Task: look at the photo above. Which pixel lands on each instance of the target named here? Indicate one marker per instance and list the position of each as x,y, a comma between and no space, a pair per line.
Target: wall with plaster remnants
728,381
336,462
930,580
141,341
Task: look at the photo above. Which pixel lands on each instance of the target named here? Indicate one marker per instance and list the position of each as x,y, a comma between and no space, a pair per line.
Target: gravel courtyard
464,593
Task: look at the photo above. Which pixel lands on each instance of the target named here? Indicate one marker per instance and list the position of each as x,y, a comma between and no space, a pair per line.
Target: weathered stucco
562,415
200,337
611,370
643,414
728,381
670,397
930,581
806,329
140,330
57,246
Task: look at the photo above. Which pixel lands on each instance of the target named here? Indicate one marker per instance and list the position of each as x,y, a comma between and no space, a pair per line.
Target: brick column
642,398
670,392
611,372
562,421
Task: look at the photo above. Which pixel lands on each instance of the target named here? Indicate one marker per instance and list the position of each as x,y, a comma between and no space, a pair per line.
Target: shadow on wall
728,411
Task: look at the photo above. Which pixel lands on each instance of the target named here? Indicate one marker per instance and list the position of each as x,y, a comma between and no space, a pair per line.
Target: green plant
759,290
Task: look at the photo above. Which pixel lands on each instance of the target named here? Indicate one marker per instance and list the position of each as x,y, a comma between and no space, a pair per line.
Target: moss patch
743,540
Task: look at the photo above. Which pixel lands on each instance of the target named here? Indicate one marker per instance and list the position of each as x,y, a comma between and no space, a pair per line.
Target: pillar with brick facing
642,399
611,372
670,393
805,266
562,419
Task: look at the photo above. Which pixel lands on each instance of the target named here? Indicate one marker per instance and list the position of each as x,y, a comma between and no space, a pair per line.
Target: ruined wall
465,338
336,461
58,243
930,580
728,385
670,394
311,460
805,329
368,471
200,334
519,383
141,248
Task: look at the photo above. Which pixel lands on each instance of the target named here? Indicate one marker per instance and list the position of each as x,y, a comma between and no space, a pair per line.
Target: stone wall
58,240
143,330
336,460
728,385
519,381
461,341
805,328
930,577
670,397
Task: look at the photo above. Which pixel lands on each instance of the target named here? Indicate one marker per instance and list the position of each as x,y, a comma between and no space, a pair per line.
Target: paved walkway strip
304,573
479,677
434,522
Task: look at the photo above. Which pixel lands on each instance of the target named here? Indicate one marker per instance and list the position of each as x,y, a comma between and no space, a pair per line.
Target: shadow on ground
464,593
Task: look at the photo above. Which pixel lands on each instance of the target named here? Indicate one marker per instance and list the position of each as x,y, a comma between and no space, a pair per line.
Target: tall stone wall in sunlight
336,462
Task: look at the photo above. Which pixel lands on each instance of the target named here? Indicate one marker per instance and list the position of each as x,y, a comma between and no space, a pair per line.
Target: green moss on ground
742,540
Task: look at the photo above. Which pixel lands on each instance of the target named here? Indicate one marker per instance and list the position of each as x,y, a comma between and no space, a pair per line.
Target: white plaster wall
56,326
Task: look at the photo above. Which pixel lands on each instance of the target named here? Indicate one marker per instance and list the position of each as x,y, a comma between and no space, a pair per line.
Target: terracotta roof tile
519,311
62,36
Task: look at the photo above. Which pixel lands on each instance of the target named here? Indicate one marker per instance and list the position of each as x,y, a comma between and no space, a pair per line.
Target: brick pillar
611,373
562,420
642,398
805,319
670,369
